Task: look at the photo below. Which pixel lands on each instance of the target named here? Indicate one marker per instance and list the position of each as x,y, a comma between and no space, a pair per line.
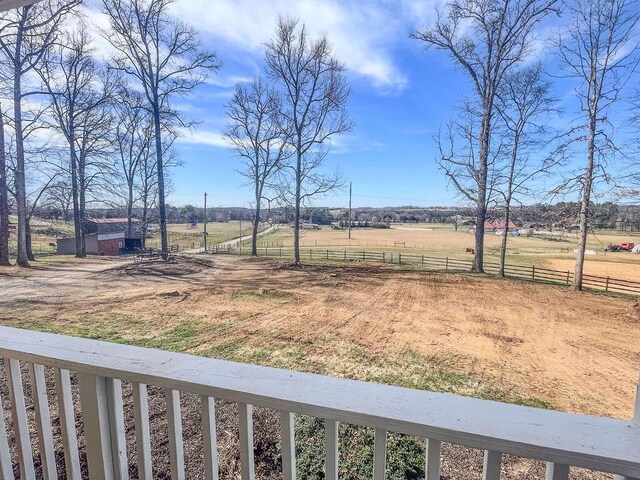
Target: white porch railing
561,439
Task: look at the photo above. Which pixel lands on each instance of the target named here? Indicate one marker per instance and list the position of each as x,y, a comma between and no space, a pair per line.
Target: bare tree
599,49
524,102
4,200
460,161
255,131
79,92
60,195
486,39
133,137
25,36
314,109
165,58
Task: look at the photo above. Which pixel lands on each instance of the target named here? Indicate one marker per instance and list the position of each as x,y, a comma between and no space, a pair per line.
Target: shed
95,244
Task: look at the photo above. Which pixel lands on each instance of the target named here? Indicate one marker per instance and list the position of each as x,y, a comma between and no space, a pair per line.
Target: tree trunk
256,224
4,201
130,208
481,206
296,220
584,205
82,208
505,236
160,168
75,192
30,254
20,181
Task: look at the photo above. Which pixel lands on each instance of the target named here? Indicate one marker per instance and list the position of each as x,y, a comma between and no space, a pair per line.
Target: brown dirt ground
578,351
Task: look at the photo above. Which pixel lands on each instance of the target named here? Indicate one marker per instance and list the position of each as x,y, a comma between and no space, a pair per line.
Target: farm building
498,225
105,236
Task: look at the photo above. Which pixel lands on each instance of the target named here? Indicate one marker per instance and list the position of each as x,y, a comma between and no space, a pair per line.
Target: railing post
247,467
557,471
6,467
433,460
606,286
19,418
331,449
492,465
379,454
446,264
95,413
568,275
287,438
210,447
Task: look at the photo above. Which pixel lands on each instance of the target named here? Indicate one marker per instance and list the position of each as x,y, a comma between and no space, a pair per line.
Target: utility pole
205,222
349,210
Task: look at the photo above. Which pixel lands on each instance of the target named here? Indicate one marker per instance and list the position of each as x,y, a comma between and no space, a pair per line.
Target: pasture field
188,237
504,340
442,240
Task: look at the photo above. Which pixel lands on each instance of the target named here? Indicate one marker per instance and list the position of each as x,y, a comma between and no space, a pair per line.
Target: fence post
446,264
327,254
568,274
391,257
423,260
384,257
533,272
399,259
606,286
345,255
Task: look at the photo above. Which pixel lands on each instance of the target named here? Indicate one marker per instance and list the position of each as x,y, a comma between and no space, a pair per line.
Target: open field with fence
443,241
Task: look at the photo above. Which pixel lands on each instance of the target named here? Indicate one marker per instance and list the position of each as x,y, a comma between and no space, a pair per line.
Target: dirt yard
574,351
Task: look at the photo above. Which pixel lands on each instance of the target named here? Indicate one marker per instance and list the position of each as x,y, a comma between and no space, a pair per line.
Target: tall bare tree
26,34
486,39
133,137
166,60
255,130
315,92
4,200
524,103
79,92
600,50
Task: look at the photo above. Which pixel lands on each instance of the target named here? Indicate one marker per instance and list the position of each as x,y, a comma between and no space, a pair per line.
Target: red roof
498,225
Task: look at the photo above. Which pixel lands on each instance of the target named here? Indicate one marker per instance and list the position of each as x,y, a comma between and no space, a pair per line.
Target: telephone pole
349,210
205,222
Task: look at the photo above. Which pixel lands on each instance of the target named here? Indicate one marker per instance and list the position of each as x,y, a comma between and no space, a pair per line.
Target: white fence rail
561,439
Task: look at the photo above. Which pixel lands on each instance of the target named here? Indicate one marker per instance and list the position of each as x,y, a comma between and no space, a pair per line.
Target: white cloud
363,34
203,137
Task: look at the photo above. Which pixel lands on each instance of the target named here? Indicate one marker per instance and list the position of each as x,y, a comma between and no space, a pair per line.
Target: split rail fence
452,264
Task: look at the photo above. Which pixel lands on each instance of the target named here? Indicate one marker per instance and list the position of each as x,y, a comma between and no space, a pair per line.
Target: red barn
498,225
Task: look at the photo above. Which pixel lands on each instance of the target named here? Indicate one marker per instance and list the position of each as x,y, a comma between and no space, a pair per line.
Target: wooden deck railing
561,439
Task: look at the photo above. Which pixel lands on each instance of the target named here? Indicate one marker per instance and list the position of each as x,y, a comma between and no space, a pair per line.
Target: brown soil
577,351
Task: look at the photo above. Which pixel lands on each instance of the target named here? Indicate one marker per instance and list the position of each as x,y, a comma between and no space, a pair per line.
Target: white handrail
603,444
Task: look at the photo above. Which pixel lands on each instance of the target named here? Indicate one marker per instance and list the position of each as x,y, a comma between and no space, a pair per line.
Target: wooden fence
522,272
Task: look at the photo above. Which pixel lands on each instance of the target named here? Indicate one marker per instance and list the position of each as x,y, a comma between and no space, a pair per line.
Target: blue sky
400,96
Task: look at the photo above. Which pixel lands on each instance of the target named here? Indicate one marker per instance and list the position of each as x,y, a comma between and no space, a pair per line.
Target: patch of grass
181,338
263,294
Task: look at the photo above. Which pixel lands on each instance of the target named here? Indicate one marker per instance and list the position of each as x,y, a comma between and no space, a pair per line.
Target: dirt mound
177,266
